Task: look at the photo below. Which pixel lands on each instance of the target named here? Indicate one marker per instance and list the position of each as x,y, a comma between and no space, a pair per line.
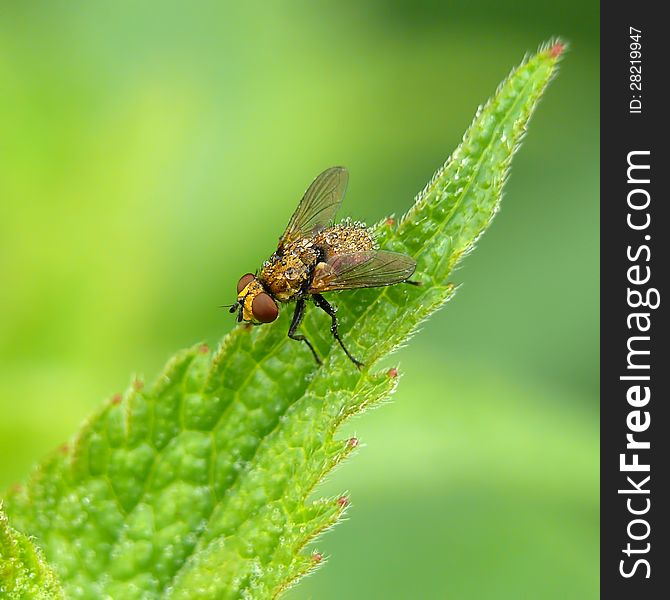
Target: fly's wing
318,206
372,268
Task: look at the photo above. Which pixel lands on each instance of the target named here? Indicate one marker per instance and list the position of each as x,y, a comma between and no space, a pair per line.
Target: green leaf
23,570
200,485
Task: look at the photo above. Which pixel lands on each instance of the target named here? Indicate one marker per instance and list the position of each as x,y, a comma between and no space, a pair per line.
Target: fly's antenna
231,307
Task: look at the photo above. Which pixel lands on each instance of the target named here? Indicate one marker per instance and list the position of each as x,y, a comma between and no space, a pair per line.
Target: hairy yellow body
289,273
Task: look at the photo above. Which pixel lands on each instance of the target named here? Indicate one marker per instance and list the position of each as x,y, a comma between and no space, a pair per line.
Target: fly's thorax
286,273
344,238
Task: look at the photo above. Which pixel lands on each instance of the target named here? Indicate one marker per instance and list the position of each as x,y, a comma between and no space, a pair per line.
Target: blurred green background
151,152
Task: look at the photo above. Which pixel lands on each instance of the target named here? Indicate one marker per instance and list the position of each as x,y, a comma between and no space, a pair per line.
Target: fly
314,256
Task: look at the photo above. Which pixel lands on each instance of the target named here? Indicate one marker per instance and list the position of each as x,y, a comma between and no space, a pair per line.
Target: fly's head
254,304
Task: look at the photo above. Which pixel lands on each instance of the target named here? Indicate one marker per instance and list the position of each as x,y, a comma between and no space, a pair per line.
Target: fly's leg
413,282
323,304
295,323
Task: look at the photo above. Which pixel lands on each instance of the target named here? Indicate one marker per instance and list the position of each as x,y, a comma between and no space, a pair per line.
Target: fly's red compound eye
244,281
264,308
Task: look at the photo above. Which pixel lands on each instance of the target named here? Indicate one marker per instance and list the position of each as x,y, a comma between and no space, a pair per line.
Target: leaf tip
554,48
557,49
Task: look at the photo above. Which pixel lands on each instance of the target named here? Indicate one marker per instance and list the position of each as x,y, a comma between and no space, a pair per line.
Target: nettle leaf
199,485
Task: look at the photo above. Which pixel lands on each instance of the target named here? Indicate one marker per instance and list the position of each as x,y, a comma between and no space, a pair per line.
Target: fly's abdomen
344,239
